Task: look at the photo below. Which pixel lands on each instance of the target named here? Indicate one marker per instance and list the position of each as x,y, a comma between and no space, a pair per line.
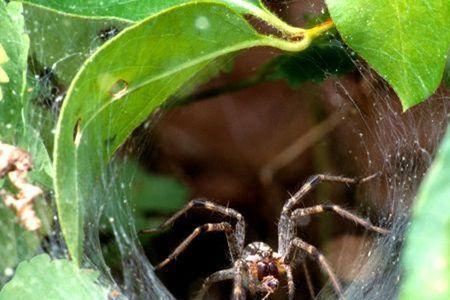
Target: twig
298,147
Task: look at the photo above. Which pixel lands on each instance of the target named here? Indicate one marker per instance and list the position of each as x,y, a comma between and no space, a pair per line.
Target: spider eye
273,269
263,270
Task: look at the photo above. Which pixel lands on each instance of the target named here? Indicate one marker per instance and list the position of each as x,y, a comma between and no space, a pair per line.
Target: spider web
402,145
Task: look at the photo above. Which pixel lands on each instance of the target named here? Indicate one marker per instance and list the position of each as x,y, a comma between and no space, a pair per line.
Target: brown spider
257,267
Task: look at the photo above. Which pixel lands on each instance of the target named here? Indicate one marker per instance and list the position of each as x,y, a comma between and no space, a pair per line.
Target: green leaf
132,10
150,194
153,193
80,28
60,279
122,84
16,126
16,243
156,193
15,44
427,251
124,81
405,41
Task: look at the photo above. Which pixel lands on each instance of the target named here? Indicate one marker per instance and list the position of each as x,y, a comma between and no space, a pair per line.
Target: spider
257,267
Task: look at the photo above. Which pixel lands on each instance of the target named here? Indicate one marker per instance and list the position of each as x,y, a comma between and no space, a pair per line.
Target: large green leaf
427,252
143,61
134,10
405,41
124,81
44,278
82,26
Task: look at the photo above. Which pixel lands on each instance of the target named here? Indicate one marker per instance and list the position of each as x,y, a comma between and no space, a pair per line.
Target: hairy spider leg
317,209
286,227
312,251
235,239
210,227
218,276
290,282
238,285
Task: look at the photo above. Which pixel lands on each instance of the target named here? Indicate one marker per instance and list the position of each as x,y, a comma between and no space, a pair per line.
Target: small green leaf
426,258
405,41
149,193
59,279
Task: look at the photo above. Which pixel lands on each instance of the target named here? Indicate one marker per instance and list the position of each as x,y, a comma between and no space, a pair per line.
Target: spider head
264,267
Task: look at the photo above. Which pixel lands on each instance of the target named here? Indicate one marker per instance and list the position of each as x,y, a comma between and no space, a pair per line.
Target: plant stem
306,38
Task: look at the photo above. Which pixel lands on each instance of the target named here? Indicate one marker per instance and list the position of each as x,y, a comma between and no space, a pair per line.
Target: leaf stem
277,23
306,37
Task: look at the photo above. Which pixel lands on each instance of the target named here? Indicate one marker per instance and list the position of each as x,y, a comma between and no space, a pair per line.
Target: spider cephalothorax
257,267
264,268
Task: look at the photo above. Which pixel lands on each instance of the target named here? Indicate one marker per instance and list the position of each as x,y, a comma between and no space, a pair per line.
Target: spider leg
235,241
238,286
215,277
286,228
300,212
312,251
308,280
290,282
316,179
210,227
